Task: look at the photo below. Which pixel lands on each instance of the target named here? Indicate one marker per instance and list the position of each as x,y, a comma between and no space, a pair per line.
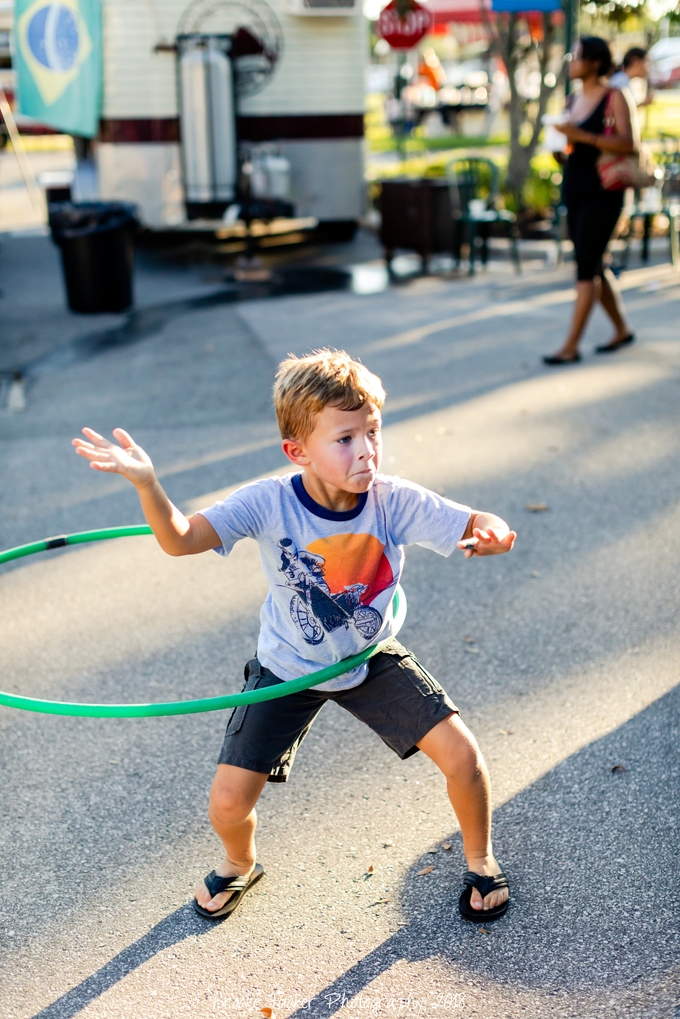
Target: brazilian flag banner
58,57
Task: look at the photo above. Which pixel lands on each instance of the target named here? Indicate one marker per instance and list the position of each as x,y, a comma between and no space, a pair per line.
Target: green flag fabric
58,56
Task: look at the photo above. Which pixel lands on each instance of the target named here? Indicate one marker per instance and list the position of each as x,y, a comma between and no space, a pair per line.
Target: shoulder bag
617,171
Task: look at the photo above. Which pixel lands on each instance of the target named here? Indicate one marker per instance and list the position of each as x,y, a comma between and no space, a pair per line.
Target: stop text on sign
401,28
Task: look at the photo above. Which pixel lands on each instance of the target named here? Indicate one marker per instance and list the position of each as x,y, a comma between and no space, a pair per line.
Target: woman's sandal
611,348
484,885
238,885
555,359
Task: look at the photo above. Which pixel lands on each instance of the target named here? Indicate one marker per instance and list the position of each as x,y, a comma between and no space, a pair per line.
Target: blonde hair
325,378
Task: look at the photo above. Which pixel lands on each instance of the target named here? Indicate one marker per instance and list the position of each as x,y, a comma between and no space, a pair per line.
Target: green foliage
617,12
541,190
416,144
610,18
542,187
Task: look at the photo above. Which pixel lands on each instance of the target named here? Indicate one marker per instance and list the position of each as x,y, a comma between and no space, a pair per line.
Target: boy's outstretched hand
127,458
486,534
175,533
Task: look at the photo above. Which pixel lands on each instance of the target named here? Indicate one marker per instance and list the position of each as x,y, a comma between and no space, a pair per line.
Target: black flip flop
484,885
554,360
611,348
238,885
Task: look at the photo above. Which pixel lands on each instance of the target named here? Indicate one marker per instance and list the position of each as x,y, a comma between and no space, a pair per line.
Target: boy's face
344,449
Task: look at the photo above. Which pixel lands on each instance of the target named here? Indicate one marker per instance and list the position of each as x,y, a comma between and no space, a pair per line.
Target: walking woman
592,212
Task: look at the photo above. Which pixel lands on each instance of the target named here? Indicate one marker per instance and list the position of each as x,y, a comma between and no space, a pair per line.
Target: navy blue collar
321,511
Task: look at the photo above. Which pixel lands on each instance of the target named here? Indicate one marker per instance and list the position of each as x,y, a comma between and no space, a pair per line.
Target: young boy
331,539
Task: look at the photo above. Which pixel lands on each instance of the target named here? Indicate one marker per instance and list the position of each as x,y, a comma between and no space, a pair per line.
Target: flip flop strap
215,883
485,884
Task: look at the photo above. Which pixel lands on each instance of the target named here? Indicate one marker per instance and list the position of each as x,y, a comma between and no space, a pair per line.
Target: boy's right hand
127,458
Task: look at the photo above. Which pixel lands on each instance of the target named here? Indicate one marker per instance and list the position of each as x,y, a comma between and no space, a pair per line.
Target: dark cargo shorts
399,700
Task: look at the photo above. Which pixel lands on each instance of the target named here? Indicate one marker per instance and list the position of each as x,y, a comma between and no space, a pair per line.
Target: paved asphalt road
562,656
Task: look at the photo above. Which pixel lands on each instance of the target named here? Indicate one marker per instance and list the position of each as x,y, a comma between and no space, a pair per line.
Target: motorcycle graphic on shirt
314,608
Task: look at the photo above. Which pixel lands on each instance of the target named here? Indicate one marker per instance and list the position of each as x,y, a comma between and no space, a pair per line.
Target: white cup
554,140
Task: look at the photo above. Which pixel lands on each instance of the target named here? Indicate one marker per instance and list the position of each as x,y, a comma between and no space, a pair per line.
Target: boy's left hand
487,541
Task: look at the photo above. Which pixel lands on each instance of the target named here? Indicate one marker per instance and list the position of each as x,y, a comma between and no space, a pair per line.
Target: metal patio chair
473,181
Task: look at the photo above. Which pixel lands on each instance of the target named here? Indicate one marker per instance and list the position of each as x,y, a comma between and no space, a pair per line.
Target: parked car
664,59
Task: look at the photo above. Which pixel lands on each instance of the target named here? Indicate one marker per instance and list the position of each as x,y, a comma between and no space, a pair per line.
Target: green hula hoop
177,707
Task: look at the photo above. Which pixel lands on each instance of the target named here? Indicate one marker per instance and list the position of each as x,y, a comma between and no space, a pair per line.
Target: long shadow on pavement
591,852
590,848
141,323
181,924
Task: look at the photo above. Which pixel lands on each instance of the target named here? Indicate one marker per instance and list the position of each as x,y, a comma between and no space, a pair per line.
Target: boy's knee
465,763
228,802
454,750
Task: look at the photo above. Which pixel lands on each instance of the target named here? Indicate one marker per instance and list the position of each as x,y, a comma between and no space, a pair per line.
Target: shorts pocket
421,679
253,674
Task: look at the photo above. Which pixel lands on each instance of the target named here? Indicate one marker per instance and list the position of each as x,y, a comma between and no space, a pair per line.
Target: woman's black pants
592,218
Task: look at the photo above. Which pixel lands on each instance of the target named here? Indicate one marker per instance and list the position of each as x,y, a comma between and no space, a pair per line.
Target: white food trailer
175,71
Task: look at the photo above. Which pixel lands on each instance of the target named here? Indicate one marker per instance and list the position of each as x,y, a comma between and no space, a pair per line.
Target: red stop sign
404,30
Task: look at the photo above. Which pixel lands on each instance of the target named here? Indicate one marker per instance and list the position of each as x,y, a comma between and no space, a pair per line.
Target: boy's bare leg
233,796
454,750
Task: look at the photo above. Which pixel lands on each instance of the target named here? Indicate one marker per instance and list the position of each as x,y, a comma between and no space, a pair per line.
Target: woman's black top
581,178
592,212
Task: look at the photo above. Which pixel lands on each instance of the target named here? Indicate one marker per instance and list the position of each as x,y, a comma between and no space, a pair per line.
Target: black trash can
97,253
416,215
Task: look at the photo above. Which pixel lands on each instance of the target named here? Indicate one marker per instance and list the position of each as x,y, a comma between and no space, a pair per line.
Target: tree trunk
525,114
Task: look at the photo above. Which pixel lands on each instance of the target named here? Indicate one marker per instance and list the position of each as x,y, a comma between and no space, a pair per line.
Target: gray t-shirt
620,80
331,575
